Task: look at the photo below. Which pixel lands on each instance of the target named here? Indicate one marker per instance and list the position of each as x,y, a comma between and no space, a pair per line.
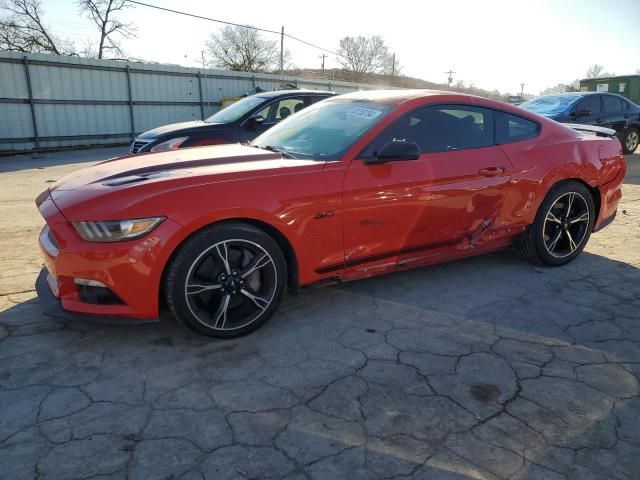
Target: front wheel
630,140
562,226
226,280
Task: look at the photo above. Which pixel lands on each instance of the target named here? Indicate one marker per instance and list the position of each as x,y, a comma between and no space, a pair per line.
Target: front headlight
116,230
172,144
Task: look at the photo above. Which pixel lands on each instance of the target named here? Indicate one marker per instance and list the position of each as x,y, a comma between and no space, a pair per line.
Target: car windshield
324,131
550,104
236,110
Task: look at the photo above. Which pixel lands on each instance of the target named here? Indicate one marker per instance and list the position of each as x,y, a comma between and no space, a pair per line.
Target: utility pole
282,52
450,77
323,56
522,91
393,65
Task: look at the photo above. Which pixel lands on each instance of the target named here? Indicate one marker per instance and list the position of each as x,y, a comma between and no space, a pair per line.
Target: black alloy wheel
562,226
226,281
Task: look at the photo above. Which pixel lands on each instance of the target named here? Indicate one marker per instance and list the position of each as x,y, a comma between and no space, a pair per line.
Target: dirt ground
483,368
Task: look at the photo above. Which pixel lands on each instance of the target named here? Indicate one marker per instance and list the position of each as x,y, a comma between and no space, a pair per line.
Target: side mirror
585,112
396,151
255,121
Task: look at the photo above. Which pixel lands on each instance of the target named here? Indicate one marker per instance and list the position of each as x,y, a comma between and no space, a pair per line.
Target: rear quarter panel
557,154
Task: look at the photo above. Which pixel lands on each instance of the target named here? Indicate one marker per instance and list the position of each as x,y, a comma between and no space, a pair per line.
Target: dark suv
593,108
239,122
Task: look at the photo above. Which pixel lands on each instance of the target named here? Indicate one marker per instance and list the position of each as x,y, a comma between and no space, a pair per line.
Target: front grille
137,145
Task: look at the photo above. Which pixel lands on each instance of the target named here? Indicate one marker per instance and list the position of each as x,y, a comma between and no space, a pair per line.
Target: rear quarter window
512,128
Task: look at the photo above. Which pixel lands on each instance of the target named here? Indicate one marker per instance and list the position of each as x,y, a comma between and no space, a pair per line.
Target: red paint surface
341,218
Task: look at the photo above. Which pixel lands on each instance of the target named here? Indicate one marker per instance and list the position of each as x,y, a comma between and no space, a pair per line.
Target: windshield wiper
271,148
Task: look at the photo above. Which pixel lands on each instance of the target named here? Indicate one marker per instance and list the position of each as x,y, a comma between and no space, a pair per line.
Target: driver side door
405,212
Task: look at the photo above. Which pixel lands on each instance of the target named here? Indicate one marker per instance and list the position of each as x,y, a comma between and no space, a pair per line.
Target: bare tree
103,13
596,71
363,55
392,66
243,49
23,29
562,88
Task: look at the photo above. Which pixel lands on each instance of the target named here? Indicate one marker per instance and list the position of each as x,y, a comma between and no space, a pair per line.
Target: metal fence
52,102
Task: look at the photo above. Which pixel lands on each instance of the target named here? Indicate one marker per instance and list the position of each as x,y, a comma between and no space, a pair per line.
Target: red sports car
353,186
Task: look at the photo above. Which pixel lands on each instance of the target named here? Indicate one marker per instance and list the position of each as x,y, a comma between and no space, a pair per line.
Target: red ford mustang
354,186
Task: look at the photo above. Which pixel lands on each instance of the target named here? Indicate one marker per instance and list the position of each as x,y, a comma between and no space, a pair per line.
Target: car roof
278,93
405,95
392,96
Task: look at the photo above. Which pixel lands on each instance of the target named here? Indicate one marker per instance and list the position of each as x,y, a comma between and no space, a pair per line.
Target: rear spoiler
597,131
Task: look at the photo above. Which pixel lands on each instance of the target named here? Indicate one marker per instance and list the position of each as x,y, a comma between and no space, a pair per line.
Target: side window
592,102
512,128
612,104
314,99
264,113
288,106
439,128
459,128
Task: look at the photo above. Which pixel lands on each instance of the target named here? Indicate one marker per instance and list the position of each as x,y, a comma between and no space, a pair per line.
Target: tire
226,280
546,241
630,140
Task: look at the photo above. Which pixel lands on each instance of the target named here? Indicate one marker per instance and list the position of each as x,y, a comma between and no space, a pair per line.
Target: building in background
626,85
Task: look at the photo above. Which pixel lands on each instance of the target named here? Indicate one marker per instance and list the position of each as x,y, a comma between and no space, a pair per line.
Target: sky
493,44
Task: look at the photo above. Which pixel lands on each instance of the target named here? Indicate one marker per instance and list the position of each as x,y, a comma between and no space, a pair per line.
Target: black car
592,108
239,122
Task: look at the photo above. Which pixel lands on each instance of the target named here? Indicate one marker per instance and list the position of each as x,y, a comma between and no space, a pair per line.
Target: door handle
491,171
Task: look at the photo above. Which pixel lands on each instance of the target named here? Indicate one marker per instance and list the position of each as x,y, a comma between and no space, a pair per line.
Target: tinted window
288,106
236,110
512,128
612,104
316,99
592,102
439,129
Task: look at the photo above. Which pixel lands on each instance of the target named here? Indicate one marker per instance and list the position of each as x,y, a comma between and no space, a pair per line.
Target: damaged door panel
405,213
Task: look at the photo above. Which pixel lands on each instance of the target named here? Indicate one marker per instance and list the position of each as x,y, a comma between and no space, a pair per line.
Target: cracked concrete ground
484,368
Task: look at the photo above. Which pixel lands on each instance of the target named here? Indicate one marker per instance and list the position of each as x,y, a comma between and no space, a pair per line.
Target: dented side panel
403,212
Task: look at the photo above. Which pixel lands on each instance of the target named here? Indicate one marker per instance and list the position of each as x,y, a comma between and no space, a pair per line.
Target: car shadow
503,358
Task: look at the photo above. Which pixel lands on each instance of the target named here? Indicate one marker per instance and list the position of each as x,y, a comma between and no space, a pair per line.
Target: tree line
239,48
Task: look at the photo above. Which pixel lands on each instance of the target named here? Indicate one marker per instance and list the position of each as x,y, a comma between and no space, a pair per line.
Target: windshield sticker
365,113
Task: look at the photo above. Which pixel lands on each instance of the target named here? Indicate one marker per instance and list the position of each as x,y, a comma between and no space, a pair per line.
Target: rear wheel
226,280
630,140
562,226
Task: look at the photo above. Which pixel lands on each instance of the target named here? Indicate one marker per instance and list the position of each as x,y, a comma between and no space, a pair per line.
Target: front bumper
131,270
52,307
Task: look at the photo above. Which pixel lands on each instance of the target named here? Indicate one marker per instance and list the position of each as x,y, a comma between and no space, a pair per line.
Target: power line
209,19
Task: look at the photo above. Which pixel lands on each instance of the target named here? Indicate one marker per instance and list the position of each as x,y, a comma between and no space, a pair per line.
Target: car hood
151,174
178,127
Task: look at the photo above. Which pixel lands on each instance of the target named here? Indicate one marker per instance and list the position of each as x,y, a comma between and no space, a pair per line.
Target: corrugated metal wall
51,101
